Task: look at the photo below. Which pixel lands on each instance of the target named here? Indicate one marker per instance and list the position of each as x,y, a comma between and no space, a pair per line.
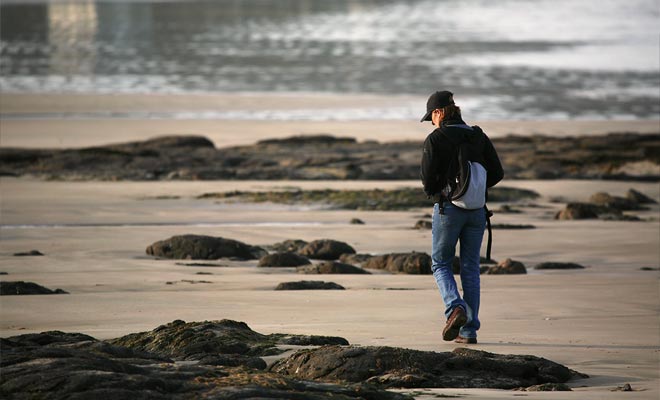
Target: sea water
505,59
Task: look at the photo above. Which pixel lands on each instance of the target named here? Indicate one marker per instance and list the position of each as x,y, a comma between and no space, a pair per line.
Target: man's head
439,106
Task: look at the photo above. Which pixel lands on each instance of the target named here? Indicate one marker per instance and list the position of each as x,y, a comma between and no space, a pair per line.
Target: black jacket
440,155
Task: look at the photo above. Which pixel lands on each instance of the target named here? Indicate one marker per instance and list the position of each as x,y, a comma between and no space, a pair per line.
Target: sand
603,320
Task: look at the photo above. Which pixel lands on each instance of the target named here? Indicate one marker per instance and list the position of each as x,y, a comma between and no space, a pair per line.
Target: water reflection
377,46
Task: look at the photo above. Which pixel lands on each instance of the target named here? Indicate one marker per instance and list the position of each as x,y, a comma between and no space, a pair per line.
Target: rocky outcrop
558,265
404,368
199,247
508,267
583,211
76,366
326,249
639,198
407,263
309,285
327,157
618,203
25,288
284,259
291,245
199,340
332,267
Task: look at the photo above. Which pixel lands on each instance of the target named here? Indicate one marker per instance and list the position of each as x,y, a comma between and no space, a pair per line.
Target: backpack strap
490,232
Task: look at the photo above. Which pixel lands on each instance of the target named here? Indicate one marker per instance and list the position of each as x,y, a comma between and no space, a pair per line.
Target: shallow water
507,59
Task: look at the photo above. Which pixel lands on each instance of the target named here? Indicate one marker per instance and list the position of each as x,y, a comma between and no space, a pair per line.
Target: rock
354,259
405,368
309,285
332,267
199,247
639,198
285,259
582,211
293,246
25,288
75,366
549,387
357,221
326,249
456,264
422,224
323,140
29,253
618,203
507,266
3,273
408,263
197,264
558,265
196,340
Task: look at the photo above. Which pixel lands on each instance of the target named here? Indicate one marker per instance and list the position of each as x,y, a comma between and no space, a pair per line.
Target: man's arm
493,164
428,171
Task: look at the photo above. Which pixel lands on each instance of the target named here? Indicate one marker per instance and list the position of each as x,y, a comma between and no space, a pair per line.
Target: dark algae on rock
57,365
200,247
25,288
325,157
404,368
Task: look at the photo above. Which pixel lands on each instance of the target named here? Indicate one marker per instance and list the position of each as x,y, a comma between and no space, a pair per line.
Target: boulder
357,221
284,259
291,245
639,198
618,203
423,224
405,368
582,211
199,247
408,263
28,253
326,249
309,285
332,267
558,265
25,288
507,266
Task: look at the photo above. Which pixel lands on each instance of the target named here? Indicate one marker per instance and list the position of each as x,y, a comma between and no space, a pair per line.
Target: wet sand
602,321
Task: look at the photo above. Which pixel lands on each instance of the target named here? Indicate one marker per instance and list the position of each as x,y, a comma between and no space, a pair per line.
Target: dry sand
603,321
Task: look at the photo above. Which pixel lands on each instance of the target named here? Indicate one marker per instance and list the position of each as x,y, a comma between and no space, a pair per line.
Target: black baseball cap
437,100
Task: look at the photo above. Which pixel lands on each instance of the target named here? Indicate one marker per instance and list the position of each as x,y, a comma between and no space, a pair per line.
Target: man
451,223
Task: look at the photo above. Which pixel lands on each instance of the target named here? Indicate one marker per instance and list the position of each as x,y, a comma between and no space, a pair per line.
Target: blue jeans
448,228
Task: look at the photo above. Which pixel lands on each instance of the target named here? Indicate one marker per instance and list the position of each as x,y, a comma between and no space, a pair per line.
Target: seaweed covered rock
507,267
326,249
200,247
405,368
25,288
407,263
199,340
283,259
76,366
332,267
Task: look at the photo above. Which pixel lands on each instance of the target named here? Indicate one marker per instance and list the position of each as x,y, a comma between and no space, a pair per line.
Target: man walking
452,222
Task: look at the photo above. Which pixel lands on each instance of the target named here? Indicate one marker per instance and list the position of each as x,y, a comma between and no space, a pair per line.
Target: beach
602,320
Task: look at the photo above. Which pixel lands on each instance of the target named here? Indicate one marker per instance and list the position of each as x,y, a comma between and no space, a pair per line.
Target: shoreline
76,133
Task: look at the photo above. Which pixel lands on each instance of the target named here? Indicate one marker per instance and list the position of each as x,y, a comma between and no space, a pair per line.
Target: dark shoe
456,319
466,340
